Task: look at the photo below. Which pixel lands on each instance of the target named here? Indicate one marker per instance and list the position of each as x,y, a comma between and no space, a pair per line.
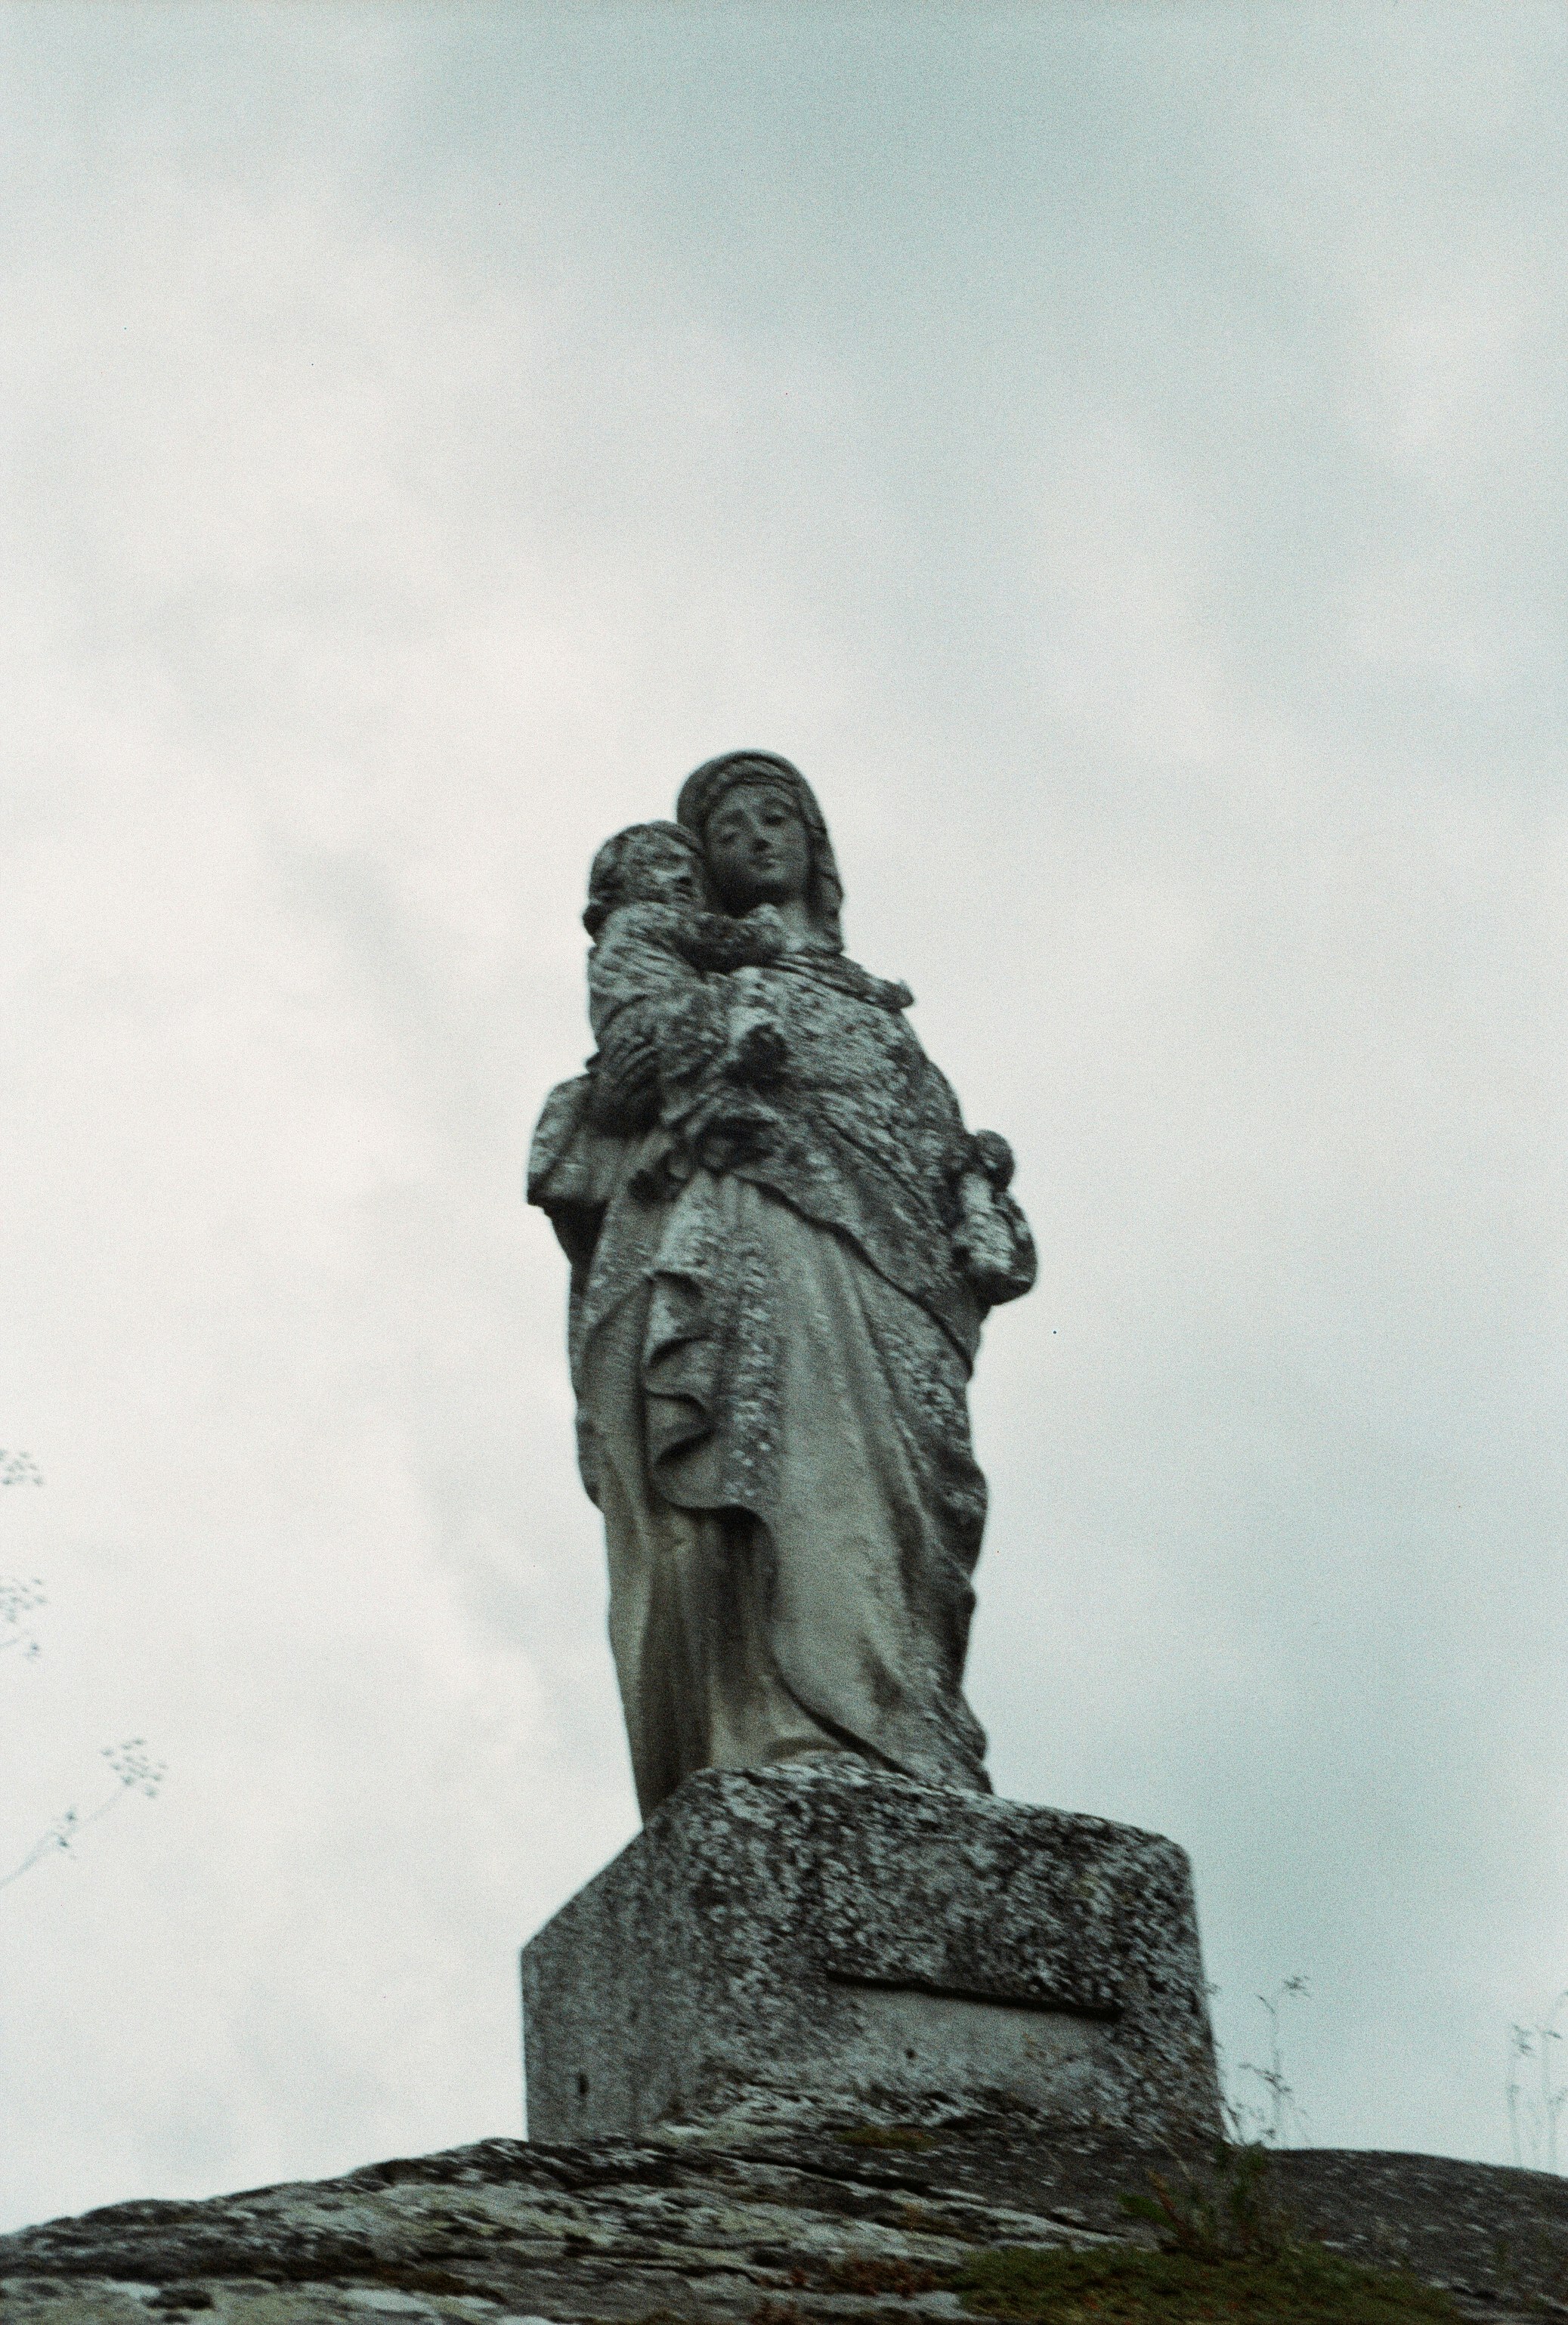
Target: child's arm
713,940
637,958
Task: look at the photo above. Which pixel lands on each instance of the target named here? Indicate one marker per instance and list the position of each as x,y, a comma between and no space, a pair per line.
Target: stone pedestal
821,1933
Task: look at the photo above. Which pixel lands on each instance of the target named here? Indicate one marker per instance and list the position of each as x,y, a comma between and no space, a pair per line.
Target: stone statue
782,1245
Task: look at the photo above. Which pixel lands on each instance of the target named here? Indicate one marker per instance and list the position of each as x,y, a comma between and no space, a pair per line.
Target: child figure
656,939
648,888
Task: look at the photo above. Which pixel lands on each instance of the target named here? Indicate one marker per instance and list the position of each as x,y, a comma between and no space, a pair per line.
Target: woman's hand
758,1054
993,1246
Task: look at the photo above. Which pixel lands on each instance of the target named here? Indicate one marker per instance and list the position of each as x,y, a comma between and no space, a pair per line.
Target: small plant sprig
136,1771
1533,2114
1273,2124
1228,2207
1229,2210
19,1599
19,1596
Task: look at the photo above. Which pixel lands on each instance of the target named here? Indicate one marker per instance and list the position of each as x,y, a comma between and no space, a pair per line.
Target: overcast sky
1119,452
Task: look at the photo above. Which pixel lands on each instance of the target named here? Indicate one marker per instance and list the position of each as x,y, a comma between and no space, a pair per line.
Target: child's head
645,864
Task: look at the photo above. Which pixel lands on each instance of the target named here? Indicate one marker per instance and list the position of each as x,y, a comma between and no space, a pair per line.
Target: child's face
662,872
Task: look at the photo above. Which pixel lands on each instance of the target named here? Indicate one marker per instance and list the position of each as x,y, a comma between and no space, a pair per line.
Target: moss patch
876,2272
884,2135
1309,2286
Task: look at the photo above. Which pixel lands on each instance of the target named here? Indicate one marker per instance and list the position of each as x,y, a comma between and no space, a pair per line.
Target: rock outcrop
769,2222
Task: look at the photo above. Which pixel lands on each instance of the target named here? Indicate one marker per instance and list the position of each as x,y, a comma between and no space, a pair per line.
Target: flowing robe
771,1342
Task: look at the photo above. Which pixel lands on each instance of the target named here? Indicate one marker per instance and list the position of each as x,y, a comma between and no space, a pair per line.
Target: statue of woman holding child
782,1242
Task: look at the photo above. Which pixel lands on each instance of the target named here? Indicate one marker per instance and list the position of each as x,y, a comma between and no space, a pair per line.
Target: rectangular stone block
818,1932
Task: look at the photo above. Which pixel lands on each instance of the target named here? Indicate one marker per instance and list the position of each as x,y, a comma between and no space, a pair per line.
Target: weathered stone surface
816,1932
783,1243
786,2227
609,2232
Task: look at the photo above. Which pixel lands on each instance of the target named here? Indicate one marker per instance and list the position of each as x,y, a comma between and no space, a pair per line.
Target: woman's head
763,837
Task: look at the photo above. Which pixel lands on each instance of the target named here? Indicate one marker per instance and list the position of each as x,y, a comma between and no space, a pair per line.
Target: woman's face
758,850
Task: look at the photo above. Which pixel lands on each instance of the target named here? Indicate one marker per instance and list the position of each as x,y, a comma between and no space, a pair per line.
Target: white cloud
415,469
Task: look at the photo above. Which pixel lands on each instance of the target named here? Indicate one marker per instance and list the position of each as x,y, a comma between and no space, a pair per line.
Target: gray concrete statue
782,1245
